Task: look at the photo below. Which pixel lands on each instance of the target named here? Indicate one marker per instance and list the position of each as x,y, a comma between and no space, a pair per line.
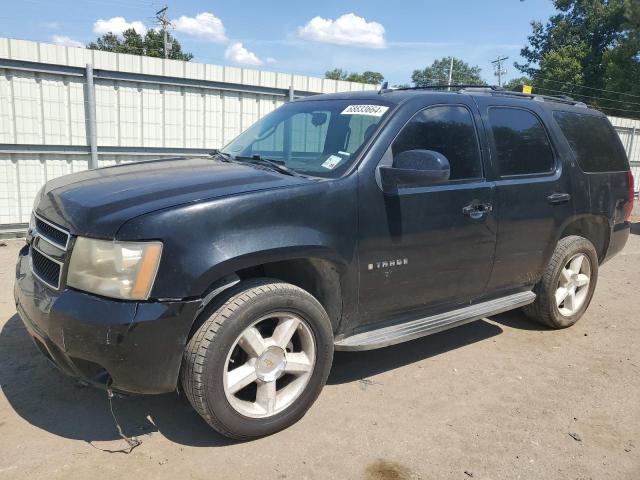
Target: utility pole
163,21
450,73
497,63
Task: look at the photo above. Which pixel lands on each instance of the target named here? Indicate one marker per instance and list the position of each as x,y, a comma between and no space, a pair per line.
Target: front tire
259,361
566,288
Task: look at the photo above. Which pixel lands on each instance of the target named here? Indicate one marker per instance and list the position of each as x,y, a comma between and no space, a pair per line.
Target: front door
428,248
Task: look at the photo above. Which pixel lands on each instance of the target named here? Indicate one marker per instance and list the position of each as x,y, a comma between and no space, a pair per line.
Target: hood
97,202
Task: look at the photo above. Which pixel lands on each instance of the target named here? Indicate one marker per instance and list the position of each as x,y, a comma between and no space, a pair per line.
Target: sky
302,37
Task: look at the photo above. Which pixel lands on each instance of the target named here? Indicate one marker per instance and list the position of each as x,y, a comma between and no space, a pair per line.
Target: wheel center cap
271,364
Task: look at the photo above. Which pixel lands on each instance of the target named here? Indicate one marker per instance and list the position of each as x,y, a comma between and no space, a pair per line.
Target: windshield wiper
277,165
225,157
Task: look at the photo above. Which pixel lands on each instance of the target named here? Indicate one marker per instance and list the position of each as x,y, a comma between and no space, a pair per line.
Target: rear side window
449,130
521,142
594,142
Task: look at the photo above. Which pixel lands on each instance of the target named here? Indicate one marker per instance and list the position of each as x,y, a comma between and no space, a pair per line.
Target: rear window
594,142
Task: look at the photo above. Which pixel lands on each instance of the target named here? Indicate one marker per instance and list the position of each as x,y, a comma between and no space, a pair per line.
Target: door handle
477,210
557,198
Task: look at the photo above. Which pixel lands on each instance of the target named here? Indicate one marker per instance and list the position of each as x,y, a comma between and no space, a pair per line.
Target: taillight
627,212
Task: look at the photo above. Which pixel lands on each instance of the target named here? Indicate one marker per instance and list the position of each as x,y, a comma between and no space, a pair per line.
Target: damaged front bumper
133,347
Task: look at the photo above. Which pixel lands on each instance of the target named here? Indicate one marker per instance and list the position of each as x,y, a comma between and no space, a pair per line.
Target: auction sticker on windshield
372,110
332,162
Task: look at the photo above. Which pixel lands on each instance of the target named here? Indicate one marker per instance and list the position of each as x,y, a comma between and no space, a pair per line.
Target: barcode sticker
371,110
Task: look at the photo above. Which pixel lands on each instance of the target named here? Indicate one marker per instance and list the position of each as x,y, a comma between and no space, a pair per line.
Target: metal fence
629,131
65,109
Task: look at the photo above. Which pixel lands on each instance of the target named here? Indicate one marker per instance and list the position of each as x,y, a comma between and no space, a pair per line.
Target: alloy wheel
573,285
269,365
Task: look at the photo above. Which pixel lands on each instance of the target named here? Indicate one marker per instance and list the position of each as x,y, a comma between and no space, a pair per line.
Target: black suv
338,222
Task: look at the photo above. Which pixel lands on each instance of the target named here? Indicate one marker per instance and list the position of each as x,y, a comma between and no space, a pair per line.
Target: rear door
533,191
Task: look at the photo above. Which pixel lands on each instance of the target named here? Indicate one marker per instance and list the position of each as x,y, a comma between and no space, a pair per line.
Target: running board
383,337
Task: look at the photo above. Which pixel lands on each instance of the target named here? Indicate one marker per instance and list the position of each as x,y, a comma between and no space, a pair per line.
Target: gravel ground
500,398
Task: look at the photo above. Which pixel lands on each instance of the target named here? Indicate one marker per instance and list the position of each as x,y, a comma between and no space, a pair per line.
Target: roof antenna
383,88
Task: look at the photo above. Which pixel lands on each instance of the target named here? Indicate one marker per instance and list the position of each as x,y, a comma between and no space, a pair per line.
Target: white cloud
204,25
236,53
117,25
348,29
66,41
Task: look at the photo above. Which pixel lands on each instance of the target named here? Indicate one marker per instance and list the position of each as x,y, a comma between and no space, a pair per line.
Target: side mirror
415,168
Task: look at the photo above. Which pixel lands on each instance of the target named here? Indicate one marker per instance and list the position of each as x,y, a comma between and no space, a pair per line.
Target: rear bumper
133,347
618,239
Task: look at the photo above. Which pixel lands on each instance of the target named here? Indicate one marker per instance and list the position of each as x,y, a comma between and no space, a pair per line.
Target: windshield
318,138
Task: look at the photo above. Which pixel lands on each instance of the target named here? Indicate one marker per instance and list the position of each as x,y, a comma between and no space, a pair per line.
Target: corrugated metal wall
145,108
629,131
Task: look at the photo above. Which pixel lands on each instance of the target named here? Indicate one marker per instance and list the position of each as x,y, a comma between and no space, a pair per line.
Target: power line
590,88
624,102
600,107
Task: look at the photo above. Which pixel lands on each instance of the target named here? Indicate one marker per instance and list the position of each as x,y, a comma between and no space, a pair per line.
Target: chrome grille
52,233
45,268
48,252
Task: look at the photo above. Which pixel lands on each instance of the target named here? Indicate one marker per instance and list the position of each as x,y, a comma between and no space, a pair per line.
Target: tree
514,82
368,76
336,74
131,42
632,22
438,74
589,49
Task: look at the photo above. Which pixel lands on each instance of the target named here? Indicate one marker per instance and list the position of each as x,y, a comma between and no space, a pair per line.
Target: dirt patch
385,470
497,399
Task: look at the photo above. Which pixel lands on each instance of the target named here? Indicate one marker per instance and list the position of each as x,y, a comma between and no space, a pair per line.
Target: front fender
248,258
209,240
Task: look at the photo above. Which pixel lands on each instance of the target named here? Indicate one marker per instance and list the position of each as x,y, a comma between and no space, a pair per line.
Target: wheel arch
594,228
320,274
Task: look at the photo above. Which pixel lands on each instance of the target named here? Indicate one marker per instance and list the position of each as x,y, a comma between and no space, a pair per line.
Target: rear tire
260,360
567,285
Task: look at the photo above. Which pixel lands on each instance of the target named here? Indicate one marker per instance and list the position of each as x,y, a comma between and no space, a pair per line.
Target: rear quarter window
594,142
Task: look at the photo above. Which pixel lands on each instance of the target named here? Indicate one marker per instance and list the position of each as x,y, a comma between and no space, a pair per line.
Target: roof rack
440,87
533,96
495,90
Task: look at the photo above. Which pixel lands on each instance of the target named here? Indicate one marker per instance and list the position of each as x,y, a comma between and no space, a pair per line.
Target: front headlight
124,270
